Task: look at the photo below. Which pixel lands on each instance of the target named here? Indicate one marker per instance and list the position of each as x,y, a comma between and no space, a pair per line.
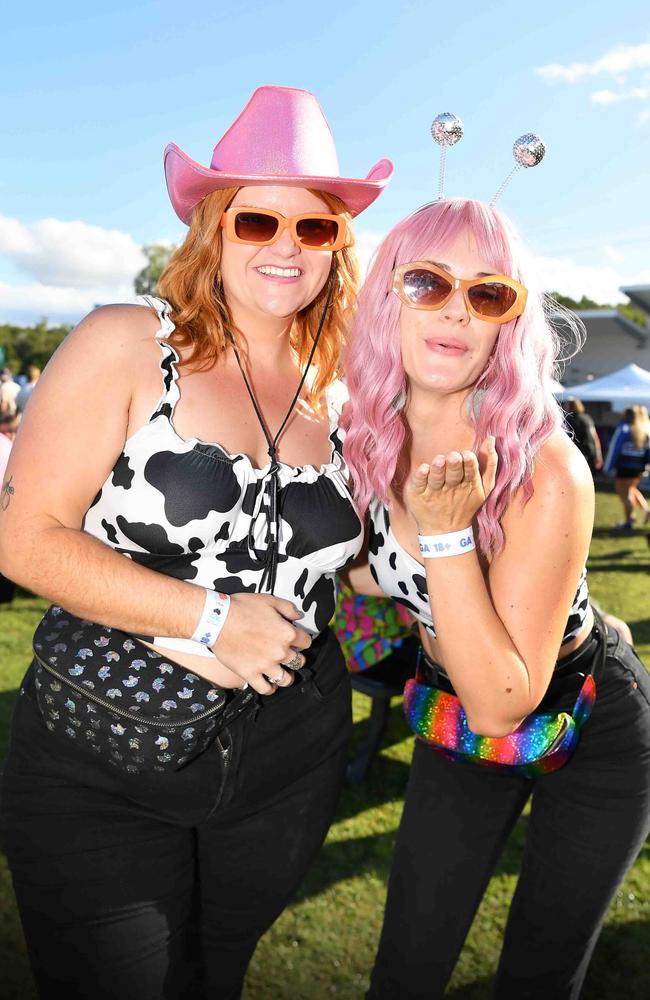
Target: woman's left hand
446,494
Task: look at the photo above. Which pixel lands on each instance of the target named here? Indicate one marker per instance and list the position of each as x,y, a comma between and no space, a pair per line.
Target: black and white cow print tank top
191,510
403,578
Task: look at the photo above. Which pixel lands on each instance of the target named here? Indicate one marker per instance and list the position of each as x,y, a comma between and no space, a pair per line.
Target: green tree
158,255
24,345
583,303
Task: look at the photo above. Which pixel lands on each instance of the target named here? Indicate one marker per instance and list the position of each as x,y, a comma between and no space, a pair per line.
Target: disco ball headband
447,129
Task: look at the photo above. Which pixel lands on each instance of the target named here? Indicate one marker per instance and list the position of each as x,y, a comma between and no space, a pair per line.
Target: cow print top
402,577
191,510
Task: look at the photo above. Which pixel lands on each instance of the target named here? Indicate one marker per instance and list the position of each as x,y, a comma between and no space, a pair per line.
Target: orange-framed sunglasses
262,226
495,297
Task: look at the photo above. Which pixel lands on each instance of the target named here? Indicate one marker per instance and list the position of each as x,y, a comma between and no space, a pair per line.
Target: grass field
324,944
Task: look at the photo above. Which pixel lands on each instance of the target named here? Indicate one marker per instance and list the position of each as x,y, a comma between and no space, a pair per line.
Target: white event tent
622,388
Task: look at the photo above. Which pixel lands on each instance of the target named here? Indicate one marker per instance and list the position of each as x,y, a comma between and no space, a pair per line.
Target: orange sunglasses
495,297
262,226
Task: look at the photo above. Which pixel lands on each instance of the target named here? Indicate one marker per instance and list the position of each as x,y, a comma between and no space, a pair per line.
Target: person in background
628,459
7,587
7,435
9,389
188,527
9,425
22,398
584,433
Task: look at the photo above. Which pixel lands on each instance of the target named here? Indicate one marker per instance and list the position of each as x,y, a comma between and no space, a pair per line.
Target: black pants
7,589
587,824
149,886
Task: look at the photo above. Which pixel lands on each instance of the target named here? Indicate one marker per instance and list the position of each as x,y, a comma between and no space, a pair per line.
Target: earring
399,402
474,401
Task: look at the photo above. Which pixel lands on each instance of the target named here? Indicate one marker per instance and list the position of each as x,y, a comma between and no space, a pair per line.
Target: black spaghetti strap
272,487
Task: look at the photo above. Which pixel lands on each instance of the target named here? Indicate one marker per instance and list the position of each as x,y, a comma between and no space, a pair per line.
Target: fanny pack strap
587,696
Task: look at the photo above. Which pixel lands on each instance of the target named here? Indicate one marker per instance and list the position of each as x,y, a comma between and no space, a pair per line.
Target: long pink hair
513,398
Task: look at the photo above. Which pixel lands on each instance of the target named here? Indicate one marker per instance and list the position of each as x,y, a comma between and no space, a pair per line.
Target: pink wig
513,398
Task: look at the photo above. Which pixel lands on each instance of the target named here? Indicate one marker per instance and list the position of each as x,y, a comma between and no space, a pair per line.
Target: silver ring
277,680
294,662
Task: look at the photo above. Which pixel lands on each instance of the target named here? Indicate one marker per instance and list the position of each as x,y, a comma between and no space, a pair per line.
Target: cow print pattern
193,511
402,577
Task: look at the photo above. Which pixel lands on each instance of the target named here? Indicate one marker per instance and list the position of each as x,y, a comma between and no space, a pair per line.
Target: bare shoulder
563,492
106,359
561,469
120,326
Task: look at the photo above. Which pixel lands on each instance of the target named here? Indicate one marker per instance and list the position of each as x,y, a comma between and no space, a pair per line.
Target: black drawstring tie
271,494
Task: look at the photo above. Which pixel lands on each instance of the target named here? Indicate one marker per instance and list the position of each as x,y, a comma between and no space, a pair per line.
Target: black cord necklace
269,557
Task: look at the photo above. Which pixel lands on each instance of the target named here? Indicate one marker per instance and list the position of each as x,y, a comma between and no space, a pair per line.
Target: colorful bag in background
369,628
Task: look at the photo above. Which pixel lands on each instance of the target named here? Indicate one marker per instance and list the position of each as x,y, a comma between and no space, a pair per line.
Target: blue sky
90,95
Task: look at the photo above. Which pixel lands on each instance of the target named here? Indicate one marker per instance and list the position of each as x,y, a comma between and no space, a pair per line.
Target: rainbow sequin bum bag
543,742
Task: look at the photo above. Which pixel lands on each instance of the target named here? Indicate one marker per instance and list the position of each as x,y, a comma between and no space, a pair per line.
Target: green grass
323,945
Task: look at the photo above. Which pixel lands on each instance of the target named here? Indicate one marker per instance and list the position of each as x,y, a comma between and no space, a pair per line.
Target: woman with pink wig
480,512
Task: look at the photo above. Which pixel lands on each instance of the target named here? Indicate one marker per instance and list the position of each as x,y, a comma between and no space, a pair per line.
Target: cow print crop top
403,578
191,510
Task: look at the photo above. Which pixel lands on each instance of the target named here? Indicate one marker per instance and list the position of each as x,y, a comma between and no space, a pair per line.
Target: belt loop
418,664
601,652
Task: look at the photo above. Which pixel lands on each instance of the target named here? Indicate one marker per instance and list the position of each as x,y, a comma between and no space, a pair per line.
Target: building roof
609,323
639,295
612,322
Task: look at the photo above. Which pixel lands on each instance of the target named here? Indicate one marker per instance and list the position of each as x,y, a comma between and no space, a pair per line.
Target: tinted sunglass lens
425,288
492,298
317,232
255,227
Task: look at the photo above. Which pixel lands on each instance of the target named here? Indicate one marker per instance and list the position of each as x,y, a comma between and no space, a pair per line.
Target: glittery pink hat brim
188,182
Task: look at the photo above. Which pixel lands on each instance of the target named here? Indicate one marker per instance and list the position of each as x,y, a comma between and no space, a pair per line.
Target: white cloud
616,62
613,254
72,255
612,97
644,116
25,304
599,282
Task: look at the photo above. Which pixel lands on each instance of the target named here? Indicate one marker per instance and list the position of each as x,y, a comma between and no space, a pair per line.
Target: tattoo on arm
6,493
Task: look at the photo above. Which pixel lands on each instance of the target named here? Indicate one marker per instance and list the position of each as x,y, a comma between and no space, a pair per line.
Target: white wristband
213,617
453,543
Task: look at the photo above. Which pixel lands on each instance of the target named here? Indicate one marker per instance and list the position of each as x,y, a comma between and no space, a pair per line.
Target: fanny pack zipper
566,721
141,719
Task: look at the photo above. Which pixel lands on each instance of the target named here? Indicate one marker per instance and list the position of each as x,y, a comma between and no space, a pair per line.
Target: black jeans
150,886
587,824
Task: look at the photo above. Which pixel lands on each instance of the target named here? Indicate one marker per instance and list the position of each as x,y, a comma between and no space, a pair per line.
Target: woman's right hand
446,494
259,639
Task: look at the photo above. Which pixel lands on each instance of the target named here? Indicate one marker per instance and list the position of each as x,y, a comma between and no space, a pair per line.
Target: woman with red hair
180,740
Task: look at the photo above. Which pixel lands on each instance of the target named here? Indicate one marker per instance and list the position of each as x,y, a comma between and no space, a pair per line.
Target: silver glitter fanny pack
120,700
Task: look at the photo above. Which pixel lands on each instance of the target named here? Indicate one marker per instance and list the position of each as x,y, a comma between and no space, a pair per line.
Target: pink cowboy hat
281,137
